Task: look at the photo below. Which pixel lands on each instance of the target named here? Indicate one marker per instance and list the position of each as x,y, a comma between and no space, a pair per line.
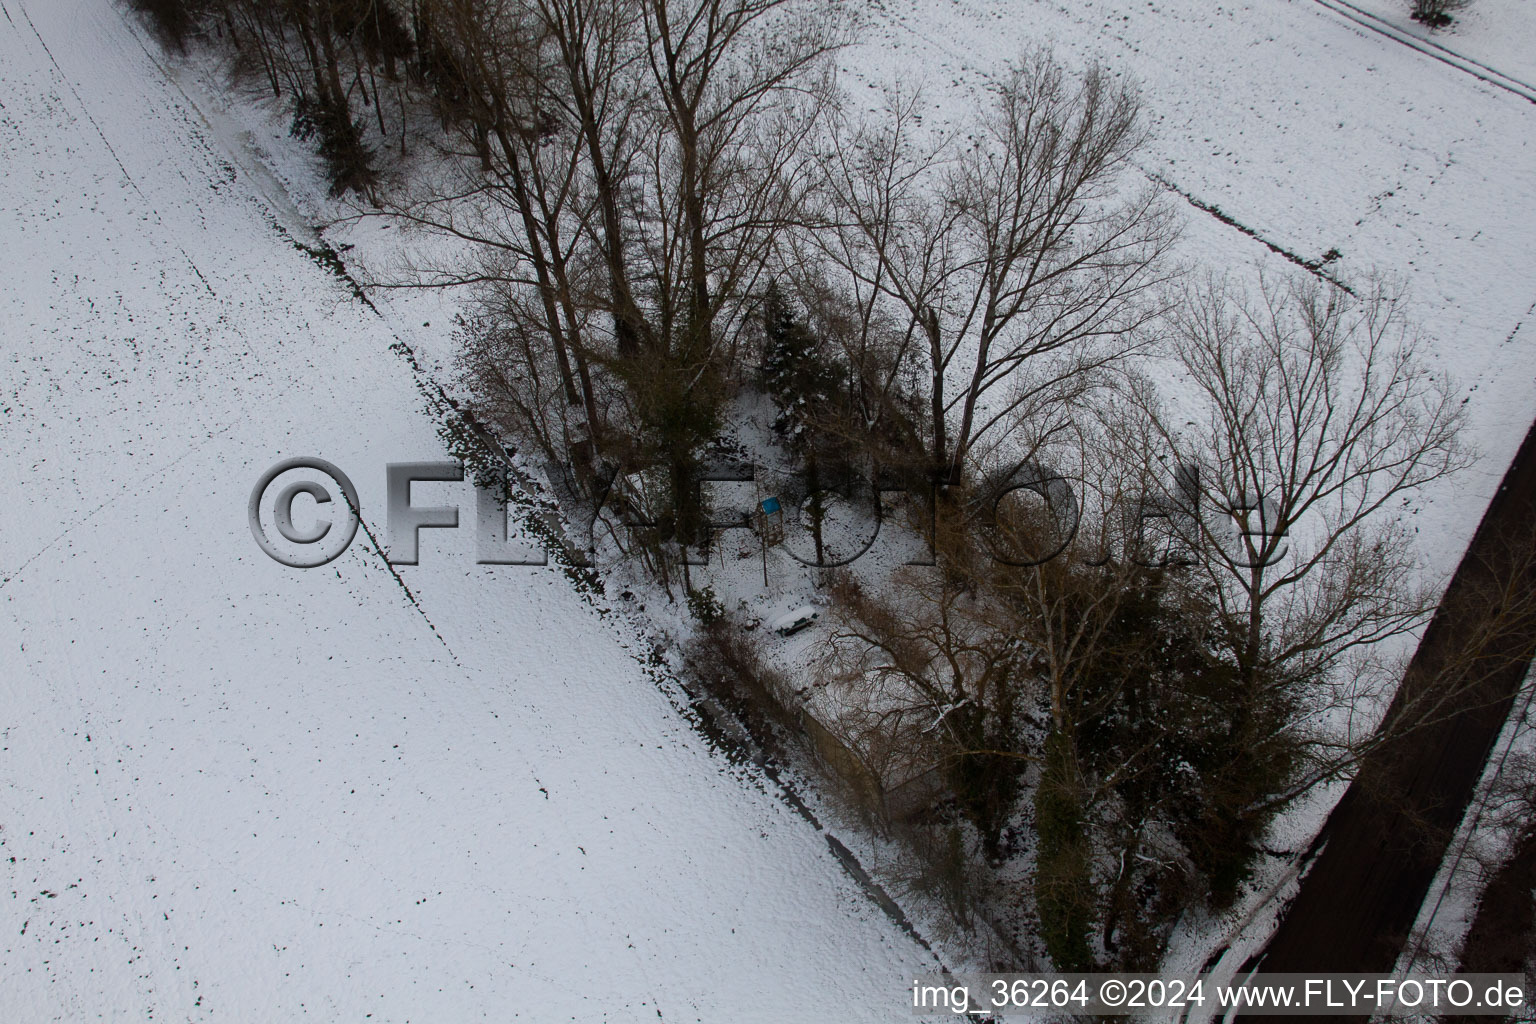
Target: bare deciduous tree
927,678
1316,418
1313,420
1012,254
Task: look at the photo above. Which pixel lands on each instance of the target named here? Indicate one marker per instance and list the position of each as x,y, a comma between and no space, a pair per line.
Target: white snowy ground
295,798
231,790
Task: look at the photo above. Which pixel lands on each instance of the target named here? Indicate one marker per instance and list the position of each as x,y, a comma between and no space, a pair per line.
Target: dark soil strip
1314,267
1386,838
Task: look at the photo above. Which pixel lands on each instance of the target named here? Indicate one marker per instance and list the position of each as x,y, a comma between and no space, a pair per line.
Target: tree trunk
936,398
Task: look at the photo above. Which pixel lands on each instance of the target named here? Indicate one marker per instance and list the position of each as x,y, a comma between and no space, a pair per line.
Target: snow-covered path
233,790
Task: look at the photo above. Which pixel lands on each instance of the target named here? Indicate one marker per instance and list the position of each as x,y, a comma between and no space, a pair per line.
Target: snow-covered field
233,790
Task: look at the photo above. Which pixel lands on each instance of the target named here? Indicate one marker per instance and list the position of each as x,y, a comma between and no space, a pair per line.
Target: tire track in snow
122,493
368,530
1477,69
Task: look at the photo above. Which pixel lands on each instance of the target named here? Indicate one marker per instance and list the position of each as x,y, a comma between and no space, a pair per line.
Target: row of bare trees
1193,637
624,179
660,205
628,172
637,179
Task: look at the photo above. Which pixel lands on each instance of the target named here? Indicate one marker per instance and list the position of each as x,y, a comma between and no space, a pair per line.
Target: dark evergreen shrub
339,140
173,20
1064,892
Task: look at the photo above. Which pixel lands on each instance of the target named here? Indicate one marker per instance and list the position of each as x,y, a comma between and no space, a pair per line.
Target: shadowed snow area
239,791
